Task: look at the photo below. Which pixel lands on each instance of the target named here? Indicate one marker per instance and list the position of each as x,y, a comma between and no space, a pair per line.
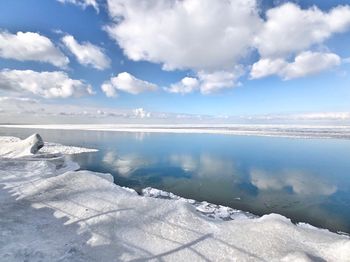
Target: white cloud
83,3
55,84
322,116
29,110
18,99
127,83
290,29
266,67
218,80
306,63
109,89
30,46
189,34
141,113
86,53
186,85
41,111
207,82
213,38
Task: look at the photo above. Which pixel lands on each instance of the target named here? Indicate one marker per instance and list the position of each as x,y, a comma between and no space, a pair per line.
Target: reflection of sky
299,181
124,165
204,165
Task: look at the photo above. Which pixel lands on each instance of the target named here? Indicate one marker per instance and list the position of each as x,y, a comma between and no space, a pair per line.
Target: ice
207,209
8,143
49,212
20,148
105,176
66,150
273,130
156,193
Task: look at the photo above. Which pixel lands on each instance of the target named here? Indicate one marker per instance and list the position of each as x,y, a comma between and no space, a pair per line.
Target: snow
66,150
292,131
19,148
8,142
50,212
207,209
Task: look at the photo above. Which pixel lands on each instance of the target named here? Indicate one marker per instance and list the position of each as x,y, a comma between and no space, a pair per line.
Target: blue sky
142,41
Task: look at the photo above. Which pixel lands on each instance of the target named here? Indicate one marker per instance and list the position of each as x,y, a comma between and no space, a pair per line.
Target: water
307,180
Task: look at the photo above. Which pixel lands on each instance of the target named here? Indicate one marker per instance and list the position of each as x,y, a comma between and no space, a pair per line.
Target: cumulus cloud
55,84
266,67
141,113
212,38
218,80
28,46
190,34
109,89
206,82
306,63
82,3
127,83
86,53
186,85
289,29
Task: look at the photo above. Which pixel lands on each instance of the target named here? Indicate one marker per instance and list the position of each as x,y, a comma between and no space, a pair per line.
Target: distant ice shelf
296,131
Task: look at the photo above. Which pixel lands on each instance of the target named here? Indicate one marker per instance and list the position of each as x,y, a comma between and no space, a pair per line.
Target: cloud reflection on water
299,181
203,165
125,164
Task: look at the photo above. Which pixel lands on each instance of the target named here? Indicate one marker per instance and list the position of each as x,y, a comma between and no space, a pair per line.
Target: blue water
307,180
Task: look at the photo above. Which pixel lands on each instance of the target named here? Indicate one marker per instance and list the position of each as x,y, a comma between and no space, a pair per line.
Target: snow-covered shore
50,212
49,148
294,131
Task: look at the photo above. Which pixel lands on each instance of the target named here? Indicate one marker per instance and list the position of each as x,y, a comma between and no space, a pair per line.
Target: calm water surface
306,180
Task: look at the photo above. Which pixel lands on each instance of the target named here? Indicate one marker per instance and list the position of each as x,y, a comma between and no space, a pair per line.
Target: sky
167,61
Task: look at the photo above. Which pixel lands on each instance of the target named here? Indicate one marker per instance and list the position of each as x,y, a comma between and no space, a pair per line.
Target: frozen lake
304,179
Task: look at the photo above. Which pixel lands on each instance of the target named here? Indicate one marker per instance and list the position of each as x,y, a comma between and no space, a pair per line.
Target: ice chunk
28,146
66,150
12,147
207,209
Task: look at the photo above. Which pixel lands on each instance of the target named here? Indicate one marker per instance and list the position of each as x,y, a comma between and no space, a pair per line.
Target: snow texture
208,209
49,212
19,148
9,142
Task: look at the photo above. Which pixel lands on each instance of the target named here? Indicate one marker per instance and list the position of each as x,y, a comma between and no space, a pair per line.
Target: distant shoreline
288,131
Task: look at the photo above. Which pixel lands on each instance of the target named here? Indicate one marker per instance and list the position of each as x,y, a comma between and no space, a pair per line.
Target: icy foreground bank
49,214
207,209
